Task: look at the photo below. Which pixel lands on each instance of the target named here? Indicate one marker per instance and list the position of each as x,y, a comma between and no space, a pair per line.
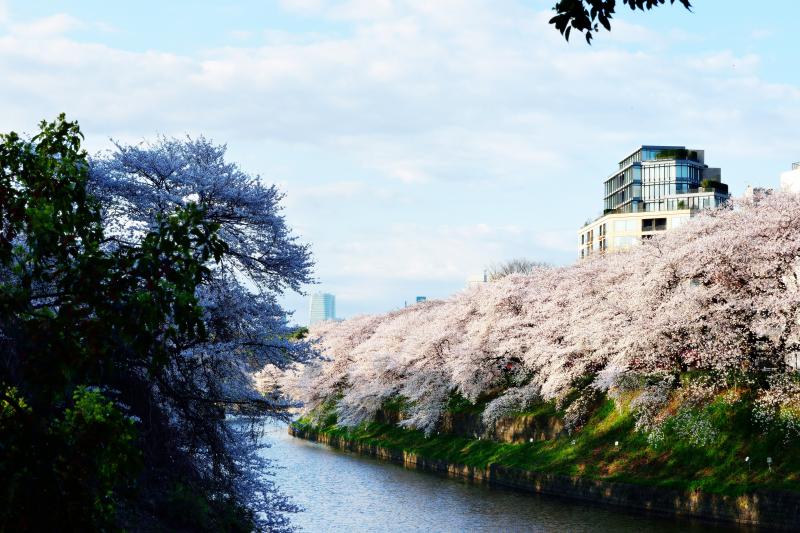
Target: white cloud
761,33
330,191
363,9
346,9
241,35
408,174
726,61
445,114
560,240
485,89
419,253
105,27
304,6
51,26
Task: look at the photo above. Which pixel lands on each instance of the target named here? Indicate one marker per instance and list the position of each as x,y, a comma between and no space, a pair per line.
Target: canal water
342,491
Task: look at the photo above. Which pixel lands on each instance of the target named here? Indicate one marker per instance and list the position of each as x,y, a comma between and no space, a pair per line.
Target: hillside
680,350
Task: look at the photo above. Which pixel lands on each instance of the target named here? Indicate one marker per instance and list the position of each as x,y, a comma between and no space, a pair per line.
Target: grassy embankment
609,447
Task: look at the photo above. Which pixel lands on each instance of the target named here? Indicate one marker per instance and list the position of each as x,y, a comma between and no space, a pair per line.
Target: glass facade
323,307
656,178
624,190
669,178
704,200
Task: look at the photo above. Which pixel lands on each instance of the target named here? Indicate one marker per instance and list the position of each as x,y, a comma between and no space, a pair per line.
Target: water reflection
346,492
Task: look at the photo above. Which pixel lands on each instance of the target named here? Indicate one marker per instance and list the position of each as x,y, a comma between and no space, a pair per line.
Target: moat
341,491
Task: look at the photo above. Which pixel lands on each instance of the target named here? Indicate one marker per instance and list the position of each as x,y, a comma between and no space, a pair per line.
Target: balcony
710,186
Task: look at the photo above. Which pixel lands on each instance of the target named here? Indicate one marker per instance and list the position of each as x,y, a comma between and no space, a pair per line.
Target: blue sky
416,141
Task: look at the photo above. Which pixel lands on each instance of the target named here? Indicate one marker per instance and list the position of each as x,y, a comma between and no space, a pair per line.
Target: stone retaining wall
769,509
511,429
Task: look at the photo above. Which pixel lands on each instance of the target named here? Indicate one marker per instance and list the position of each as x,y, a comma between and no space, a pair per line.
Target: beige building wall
790,180
621,231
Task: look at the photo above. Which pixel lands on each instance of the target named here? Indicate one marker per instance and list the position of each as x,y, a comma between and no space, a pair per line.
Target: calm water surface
342,491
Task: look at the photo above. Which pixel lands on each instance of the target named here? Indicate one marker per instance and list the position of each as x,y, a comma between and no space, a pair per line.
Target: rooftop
651,147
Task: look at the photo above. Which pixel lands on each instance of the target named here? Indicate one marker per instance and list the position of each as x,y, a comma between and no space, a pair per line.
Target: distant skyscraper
323,307
421,299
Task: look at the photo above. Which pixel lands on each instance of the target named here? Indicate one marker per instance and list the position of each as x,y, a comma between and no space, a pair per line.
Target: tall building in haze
323,307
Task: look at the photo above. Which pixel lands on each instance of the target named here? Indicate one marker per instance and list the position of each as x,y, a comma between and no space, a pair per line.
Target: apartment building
654,189
790,180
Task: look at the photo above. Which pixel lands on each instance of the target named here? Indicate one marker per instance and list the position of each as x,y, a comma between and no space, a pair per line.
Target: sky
416,142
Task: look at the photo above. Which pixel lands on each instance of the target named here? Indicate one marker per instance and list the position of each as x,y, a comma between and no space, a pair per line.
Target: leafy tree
514,266
585,16
299,333
85,332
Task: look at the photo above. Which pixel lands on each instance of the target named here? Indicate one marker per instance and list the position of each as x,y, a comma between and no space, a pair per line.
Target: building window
654,224
624,242
602,237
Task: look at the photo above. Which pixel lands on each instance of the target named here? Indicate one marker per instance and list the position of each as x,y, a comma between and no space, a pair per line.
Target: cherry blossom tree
720,295
247,329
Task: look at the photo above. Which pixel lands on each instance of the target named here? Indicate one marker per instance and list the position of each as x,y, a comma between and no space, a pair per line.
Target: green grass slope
702,448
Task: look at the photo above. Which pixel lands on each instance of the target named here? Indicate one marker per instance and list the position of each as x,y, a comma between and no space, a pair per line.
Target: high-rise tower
323,307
